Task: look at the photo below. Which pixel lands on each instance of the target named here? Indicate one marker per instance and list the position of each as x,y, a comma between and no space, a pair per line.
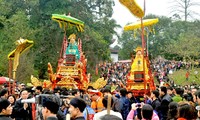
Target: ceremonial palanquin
139,80
71,70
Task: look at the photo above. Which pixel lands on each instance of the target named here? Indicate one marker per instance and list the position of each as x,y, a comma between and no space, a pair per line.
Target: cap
94,92
22,84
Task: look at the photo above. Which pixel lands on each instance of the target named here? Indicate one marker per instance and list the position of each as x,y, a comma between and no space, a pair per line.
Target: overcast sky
157,7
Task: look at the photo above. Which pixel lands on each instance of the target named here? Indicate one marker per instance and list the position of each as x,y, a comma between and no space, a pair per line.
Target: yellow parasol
134,8
68,20
146,23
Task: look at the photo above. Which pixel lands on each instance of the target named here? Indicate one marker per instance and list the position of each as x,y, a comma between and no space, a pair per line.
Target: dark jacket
164,106
124,105
19,113
156,106
52,118
80,118
3,117
116,105
60,115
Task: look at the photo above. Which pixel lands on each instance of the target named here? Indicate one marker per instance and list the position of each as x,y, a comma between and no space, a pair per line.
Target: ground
179,77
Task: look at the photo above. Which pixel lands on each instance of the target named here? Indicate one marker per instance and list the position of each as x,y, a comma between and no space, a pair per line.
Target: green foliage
129,43
15,27
172,40
32,20
184,47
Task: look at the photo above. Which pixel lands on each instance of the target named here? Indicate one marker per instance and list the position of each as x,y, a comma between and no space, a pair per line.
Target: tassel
60,24
154,32
135,34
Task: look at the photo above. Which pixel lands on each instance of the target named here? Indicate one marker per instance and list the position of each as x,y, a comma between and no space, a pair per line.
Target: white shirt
98,115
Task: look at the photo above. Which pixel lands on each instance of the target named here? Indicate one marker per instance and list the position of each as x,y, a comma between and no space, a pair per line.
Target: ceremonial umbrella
5,80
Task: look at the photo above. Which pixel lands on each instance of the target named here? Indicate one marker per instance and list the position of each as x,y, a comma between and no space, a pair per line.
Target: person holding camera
22,111
142,111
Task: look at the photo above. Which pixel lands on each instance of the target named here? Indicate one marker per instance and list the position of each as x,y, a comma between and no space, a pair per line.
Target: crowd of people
114,72
164,103
113,102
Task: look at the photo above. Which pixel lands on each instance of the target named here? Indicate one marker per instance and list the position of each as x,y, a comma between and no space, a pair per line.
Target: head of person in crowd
4,93
106,91
185,110
193,89
163,91
82,92
147,96
22,86
188,97
129,94
173,111
38,90
194,97
49,109
31,91
5,107
76,92
147,112
186,89
170,91
110,117
154,94
123,92
5,86
105,101
194,112
24,94
178,91
198,97
57,91
76,107
94,95
12,99
90,88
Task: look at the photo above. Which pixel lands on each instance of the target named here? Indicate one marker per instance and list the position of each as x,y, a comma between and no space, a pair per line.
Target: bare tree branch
184,7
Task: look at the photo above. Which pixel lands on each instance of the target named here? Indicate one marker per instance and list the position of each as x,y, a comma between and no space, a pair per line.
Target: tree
14,27
167,37
183,9
187,44
129,44
130,40
32,19
184,47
